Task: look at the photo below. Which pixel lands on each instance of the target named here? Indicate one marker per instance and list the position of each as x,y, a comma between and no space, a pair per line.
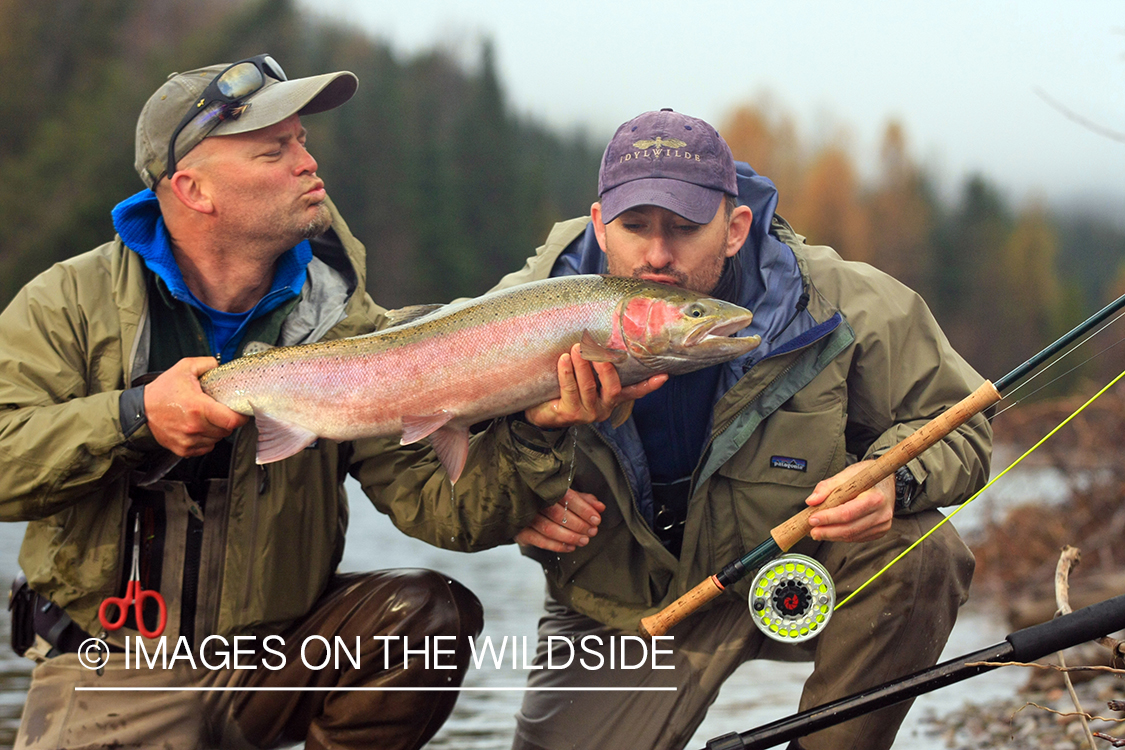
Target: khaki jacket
272,535
880,373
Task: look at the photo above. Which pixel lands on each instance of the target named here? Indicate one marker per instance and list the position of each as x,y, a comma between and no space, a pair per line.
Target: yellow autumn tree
829,208
819,189
765,137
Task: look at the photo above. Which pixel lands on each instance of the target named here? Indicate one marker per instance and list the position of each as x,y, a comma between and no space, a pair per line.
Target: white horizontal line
377,689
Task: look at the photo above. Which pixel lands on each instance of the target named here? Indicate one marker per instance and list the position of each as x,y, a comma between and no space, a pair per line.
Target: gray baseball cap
269,105
669,160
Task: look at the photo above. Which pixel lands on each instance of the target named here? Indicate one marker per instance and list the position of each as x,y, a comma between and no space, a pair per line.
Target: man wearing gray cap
851,362
207,590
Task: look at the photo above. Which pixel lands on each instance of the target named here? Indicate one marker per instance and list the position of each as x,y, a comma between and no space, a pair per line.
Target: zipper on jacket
262,486
740,412
193,547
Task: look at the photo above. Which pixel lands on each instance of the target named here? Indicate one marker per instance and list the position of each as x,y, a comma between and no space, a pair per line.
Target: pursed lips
316,193
662,279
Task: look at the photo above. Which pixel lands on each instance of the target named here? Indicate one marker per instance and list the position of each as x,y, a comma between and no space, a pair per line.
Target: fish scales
474,360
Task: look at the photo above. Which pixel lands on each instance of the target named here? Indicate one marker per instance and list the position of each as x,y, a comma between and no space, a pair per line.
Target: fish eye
695,311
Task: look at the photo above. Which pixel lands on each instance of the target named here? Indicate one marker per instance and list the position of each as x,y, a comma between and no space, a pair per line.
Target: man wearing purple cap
233,240
851,362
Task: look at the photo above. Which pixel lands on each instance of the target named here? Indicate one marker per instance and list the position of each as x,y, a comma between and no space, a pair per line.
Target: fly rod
1025,645
805,591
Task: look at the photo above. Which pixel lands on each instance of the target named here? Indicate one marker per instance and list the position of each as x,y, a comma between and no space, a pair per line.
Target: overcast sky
962,76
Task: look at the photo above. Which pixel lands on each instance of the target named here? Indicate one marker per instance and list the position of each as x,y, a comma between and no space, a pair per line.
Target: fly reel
792,598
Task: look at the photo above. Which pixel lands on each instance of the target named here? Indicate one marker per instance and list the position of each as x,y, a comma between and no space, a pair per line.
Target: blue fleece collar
140,224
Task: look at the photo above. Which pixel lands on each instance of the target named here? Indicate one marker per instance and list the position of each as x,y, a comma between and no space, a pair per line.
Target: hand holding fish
590,391
181,416
865,517
566,525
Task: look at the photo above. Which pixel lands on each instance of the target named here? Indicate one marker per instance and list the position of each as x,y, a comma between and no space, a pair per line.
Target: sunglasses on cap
222,100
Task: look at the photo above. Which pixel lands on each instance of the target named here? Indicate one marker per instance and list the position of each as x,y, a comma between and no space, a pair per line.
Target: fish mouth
718,329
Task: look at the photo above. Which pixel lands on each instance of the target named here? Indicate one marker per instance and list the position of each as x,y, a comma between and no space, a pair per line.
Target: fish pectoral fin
414,428
620,414
451,444
278,439
595,352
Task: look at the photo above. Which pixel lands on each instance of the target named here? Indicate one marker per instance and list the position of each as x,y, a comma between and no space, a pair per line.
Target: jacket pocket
767,480
791,448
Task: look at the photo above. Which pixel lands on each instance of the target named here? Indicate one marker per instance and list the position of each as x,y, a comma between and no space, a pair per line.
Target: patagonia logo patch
785,462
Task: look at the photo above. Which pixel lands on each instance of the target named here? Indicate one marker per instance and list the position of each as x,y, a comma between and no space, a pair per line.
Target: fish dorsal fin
403,315
256,347
414,428
595,352
278,439
451,444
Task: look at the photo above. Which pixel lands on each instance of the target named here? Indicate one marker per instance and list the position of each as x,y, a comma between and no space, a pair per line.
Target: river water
511,589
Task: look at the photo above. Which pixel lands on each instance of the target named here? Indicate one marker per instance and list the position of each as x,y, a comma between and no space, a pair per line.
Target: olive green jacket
76,336
885,370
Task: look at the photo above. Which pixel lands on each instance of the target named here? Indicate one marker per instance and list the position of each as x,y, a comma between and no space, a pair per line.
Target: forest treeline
450,189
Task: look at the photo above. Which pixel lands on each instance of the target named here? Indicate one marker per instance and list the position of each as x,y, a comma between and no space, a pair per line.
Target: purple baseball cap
669,160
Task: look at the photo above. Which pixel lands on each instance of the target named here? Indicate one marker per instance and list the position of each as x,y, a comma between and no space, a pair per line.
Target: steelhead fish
438,374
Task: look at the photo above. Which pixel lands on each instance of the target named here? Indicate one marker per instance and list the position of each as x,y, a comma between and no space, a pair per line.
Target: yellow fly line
1013,465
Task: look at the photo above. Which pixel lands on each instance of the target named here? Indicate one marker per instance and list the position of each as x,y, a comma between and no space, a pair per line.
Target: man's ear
190,190
738,229
599,225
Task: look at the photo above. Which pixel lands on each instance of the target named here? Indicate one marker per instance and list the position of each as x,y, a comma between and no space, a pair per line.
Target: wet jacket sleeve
59,439
903,374
513,470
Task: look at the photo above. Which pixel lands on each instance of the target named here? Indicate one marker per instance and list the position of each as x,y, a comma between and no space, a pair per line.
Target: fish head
673,330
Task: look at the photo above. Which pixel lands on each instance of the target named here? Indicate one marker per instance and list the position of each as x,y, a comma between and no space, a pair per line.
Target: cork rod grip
662,621
797,528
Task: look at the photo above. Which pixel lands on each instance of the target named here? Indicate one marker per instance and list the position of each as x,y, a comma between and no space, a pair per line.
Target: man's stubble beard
702,281
318,225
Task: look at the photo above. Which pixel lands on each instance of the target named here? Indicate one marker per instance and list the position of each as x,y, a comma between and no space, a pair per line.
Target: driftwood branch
1068,559
1067,714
